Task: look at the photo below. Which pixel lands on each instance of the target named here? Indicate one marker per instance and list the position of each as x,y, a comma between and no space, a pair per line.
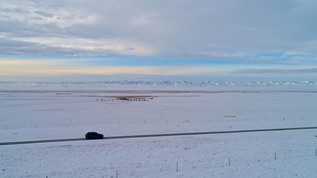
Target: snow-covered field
36,113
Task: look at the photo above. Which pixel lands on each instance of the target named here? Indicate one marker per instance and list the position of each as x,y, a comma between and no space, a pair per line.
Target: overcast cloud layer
247,31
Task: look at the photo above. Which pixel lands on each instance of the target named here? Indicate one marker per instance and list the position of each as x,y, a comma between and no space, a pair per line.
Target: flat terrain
36,114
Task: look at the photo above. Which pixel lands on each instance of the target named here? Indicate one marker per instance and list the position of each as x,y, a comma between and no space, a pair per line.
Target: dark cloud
16,28
42,13
14,47
15,10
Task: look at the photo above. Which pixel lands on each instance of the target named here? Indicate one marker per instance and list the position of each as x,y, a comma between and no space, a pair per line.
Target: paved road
158,135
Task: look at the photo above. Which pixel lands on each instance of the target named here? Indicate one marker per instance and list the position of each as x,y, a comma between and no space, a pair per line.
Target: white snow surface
39,113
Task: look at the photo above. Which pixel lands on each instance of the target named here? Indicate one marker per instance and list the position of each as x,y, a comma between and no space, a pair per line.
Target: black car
93,135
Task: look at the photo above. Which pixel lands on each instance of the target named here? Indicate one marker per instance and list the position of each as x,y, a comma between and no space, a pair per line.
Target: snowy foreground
64,112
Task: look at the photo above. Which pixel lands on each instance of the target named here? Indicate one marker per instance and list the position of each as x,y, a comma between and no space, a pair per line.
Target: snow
60,112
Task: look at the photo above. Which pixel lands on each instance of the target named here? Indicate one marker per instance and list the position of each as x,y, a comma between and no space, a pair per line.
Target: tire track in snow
157,135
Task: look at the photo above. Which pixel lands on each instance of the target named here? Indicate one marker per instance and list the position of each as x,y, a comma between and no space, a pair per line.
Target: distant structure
132,98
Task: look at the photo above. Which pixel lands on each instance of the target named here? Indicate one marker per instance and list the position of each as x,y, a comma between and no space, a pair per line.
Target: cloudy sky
144,39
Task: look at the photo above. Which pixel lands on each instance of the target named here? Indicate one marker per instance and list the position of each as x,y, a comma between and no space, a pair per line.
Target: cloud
72,67
77,47
226,30
308,72
62,68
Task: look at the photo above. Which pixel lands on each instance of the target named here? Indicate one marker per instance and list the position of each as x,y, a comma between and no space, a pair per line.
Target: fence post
275,155
176,166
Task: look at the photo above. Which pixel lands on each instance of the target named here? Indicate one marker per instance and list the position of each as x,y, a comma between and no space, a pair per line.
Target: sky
155,40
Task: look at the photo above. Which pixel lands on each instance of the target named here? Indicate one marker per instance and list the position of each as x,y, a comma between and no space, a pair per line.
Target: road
157,135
